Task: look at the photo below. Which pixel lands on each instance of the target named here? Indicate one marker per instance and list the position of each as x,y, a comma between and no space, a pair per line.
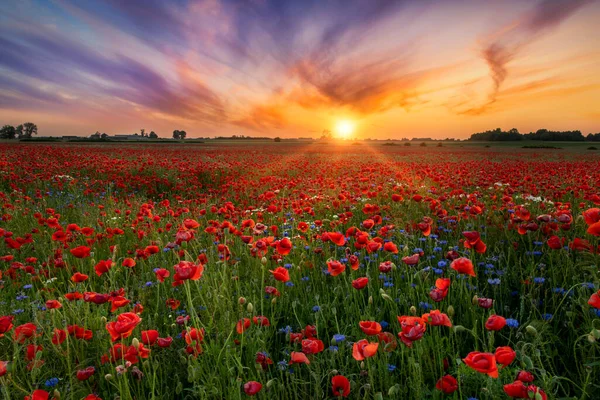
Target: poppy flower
336,238
335,267
340,386
555,243
85,374
24,332
149,337
3,368
129,262
594,229
161,274
385,267
390,247
164,342
593,301
360,283
370,328
463,265
437,318
495,323
242,325
124,325
79,277
525,376
482,362
363,349
297,357
38,394
312,346
411,260
505,355
252,387
188,270
81,252
473,241
58,336
261,320
103,267
447,384
484,302
281,274
284,246
53,304
6,324
517,390
389,341
591,216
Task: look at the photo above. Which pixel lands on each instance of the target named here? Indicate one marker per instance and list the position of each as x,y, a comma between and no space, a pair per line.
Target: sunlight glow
344,129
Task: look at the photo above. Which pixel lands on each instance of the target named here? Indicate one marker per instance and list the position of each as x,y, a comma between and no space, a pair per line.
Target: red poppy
38,395
284,246
297,357
555,243
340,386
495,323
516,390
370,328
593,301
261,320
6,324
124,326
79,277
360,283
103,267
3,369
390,247
482,362
53,304
505,355
24,332
85,374
437,318
447,384
161,274
149,337
411,260
312,346
58,336
335,267
252,387
242,325
591,216
336,238
525,376
363,349
594,229
129,262
463,265
281,274
473,241
81,252
188,270
165,342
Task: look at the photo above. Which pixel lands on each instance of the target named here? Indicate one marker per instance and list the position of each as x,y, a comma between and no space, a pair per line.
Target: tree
29,129
326,135
19,131
143,131
8,132
153,135
176,135
182,134
277,139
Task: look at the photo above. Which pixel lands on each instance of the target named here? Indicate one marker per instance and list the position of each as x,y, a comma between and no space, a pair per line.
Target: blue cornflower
51,382
547,317
289,284
512,323
495,281
338,337
391,367
333,348
316,309
539,280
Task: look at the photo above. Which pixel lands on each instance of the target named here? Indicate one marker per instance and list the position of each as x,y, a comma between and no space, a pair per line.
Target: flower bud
135,342
270,383
531,330
450,311
250,308
263,261
108,377
413,310
56,394
475,300
459,328
370,300
103,320
241,301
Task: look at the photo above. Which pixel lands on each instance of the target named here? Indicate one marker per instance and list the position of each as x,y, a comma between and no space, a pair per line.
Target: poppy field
298,271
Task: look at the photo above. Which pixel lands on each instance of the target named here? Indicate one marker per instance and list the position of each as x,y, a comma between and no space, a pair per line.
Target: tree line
23,131
498,135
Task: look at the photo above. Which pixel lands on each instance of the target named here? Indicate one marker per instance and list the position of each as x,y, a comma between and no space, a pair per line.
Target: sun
344,129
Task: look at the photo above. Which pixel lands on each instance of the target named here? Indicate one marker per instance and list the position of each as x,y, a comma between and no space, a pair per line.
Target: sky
362,68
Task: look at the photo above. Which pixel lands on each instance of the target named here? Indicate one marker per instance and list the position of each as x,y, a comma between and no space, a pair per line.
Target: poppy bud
378,396
182,359
370,300
179,388
459,328
263,261
413,310
475,300
334,372
362,365
274,300
250,308
108,377
93,261
242,301
135,342
56,394
386,297
450,311
270,383
596,333
531,330
103,320
393,390
591,338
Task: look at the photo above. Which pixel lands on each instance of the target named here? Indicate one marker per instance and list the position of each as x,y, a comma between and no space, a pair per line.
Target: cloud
505,46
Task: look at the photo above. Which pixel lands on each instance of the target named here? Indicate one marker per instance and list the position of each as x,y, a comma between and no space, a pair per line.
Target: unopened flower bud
250,308
242,301
531,330
450,311
413,310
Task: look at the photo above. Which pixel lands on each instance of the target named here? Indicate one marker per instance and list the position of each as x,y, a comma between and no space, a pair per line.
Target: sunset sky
389,69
